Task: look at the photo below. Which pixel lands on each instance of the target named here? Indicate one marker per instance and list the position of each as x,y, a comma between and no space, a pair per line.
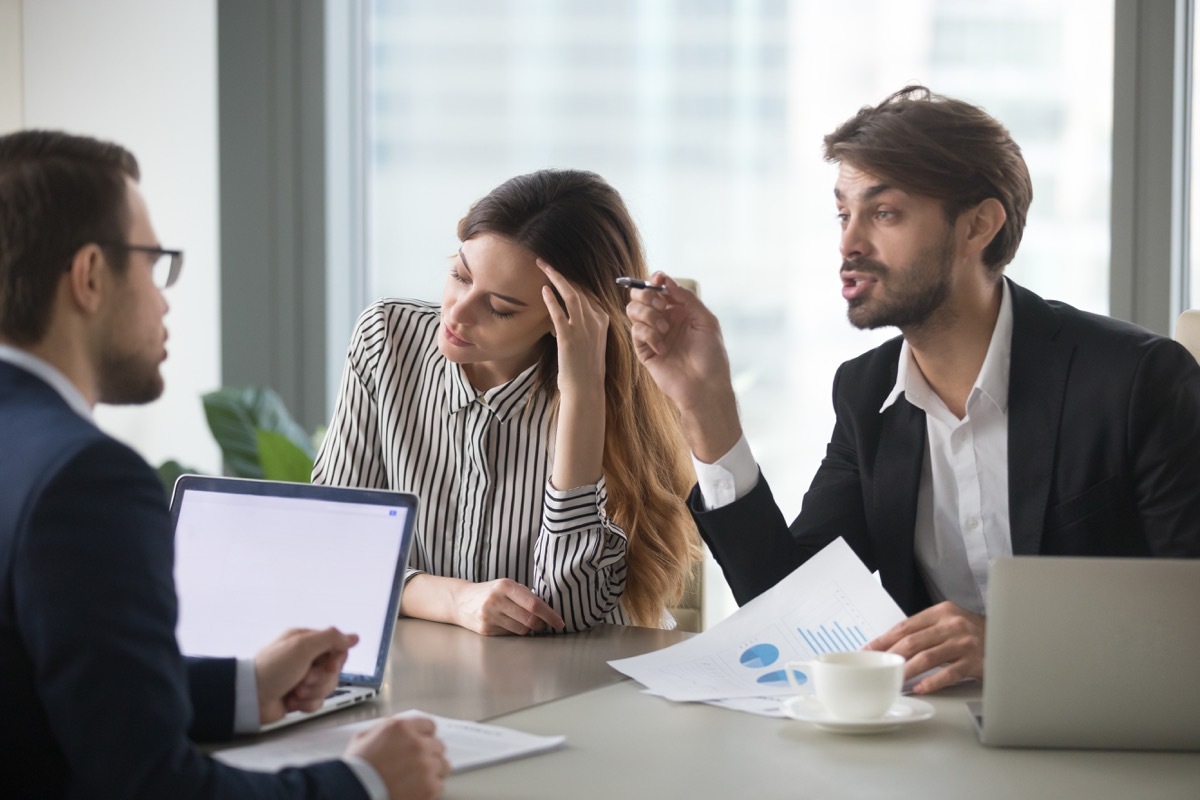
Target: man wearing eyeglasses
96,699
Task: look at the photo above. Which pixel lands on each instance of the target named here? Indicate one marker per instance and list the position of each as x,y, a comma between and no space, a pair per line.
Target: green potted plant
257,435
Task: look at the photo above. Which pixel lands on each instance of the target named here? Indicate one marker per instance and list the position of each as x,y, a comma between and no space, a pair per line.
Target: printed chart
833,638
829,604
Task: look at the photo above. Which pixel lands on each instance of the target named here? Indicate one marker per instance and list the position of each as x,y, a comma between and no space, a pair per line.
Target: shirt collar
44,370
992,381
501,401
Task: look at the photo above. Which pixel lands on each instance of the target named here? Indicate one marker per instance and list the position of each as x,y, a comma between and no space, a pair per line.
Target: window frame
293,241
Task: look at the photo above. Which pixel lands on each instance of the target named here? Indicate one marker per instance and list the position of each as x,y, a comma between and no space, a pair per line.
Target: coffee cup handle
791,668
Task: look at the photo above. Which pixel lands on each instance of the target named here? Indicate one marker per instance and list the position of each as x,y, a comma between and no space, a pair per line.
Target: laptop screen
254,558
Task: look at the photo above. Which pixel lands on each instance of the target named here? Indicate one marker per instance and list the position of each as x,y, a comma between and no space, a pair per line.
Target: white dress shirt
962,501
245,715
962,504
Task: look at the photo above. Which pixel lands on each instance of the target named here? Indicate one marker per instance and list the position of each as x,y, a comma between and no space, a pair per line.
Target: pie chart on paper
779,678
760,655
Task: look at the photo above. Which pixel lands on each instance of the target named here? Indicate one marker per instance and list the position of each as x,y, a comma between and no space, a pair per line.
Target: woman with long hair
551,469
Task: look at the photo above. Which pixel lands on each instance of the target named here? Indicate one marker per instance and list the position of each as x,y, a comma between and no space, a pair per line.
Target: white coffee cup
860,685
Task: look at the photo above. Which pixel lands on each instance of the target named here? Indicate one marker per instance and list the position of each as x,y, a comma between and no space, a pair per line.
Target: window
708,118
1191,296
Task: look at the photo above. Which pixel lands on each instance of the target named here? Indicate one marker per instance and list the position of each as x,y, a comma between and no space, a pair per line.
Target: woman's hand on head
581,328
503,607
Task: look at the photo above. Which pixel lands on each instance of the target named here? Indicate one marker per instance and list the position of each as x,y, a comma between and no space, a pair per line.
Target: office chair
1187,331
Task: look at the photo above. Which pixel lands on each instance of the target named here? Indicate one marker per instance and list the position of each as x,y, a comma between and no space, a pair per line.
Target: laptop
254,558
1092,653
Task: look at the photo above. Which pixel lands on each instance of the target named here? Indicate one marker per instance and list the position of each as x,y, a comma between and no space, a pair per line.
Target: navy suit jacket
95,699
1103,459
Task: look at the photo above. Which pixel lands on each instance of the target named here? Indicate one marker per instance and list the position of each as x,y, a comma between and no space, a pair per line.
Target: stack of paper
468,745
830,604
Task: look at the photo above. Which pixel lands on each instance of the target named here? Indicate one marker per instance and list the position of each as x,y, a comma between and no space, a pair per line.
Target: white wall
144,73
10,65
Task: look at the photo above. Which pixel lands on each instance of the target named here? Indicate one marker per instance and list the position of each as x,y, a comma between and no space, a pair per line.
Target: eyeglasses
165,264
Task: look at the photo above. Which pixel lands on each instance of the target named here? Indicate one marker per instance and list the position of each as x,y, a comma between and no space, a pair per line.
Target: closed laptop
1092,653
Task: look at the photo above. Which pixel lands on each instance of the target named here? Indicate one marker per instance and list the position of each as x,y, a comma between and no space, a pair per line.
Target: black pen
638,283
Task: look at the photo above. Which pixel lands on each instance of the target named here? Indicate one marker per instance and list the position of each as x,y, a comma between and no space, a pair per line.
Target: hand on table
944,636
503,606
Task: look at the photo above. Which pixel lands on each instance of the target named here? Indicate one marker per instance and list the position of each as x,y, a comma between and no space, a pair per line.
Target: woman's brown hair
578,223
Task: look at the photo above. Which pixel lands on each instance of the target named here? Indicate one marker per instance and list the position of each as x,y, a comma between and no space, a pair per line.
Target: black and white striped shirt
408,419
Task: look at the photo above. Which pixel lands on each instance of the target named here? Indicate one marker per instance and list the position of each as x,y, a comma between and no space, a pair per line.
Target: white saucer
807,708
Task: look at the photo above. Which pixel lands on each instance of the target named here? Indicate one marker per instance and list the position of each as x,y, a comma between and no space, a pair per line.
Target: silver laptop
254,558
1092,653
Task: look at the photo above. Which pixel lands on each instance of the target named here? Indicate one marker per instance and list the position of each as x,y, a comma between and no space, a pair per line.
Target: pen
638,283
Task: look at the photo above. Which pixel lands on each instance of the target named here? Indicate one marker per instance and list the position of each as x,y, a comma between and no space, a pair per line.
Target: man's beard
126,380
912,298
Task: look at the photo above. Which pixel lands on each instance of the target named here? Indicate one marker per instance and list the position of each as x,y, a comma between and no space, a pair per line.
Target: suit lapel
1036,387
897,480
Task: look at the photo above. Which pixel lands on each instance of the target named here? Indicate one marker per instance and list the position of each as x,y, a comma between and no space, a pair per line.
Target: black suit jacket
1103,458
94,696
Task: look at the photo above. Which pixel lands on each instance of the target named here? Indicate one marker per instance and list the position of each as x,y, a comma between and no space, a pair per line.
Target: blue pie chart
760,655
779,676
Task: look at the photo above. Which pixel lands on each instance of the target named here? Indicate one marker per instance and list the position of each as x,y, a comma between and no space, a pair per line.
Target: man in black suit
97,700
997,424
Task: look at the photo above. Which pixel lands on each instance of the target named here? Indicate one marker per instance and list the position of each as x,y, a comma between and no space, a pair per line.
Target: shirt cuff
729,478
373,784
245,698
578,509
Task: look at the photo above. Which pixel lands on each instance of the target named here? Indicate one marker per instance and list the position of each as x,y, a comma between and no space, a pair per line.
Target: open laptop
1092,653
254,558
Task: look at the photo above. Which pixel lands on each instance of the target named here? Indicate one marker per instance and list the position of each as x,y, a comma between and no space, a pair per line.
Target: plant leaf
231,420
169,472
236,414
281,459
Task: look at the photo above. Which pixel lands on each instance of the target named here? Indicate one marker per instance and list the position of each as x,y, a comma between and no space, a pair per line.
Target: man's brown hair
58,192
942,148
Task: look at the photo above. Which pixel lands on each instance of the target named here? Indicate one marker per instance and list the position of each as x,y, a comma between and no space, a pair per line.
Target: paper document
468,745
763,706
829,604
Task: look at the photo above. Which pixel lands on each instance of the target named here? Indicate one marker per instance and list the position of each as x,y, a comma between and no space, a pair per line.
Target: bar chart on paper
830,604
833,638
833,625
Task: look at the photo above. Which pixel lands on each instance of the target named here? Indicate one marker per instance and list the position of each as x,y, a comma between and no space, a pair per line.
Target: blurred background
314,155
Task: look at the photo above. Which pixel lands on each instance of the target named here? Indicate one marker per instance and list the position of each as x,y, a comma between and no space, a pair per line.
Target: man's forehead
856,184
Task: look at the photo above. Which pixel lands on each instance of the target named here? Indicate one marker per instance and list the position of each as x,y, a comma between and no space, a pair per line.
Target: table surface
451,672
622,742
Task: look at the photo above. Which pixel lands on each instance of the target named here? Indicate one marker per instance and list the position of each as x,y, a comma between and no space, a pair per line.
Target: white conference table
621,742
